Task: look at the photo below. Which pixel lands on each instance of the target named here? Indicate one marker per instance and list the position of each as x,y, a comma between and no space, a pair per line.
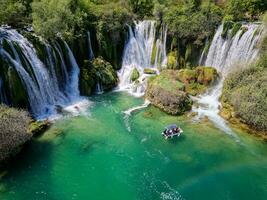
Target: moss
197,80
235,29
154,52
96,71
187,76
206,75
39,127
166,80
135,75
172,60
150,71
227,25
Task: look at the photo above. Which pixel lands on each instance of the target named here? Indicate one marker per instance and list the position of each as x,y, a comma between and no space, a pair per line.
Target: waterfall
226,55
143,50
40,79
90,50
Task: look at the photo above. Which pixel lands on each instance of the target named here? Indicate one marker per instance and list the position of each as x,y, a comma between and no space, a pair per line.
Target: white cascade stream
143,50
42,85
90,50
227,55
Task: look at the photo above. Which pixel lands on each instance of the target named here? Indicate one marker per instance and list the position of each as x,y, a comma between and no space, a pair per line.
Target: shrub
246,91
13,130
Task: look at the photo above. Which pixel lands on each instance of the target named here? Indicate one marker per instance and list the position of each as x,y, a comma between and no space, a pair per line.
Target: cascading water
90,50
227,54
41,81
143,50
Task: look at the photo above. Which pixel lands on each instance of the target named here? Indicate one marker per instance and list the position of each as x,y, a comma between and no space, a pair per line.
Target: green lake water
107,156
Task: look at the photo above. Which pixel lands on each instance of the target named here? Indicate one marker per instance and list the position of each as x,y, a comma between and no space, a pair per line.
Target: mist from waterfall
143,50
227,55
46,90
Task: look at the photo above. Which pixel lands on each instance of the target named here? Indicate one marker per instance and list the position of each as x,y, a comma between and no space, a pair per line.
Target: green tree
13,12
142,7
52,18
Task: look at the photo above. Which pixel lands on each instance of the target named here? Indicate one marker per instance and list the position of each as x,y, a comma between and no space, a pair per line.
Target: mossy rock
105,73
167,93
39,127
97,71
206,75
187,76
150,71
135,75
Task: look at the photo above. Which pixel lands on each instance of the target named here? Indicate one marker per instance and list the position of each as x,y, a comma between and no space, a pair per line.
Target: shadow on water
23,172
177,140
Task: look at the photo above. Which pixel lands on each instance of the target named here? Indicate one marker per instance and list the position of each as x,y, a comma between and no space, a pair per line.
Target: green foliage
246,91
97,71
238,10
192,20
110,20
197,80
172,60
142,7
13,130
13,12
53,18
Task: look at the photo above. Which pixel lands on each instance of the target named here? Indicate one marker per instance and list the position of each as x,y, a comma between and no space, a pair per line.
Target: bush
245,9
246,91
13,130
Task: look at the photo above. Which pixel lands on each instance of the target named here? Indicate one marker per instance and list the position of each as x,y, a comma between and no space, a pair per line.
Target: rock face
94,72
168,94
170,90
13,131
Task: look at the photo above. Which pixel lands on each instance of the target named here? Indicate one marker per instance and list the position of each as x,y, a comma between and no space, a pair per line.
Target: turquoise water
107,156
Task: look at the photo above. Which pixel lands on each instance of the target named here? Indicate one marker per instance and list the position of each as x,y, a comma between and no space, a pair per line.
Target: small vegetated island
71,70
